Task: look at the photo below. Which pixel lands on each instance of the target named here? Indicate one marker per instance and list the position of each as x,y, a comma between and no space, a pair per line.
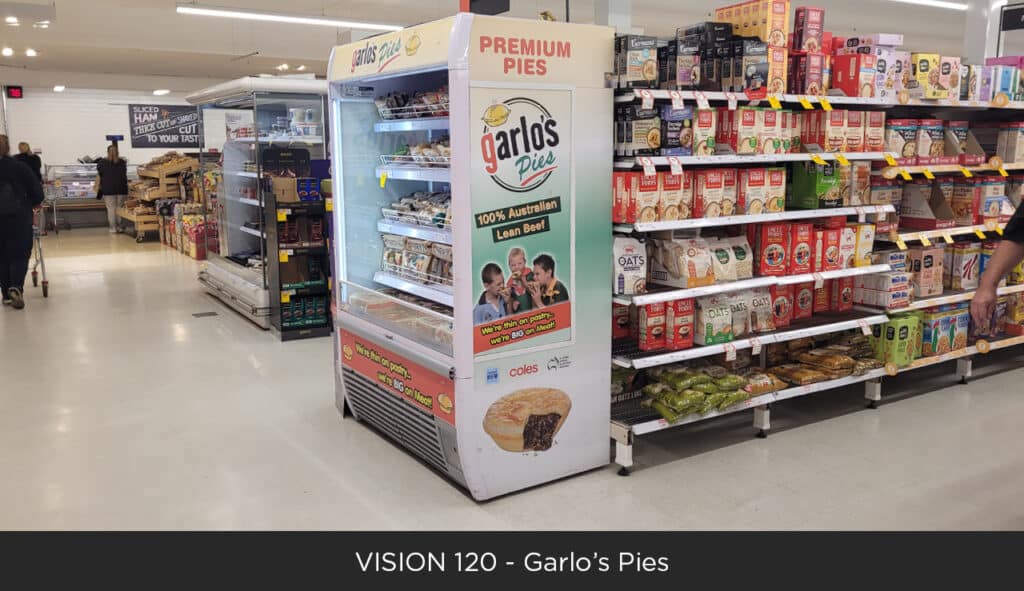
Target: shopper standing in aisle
1009,254
26,157
20,193
112,185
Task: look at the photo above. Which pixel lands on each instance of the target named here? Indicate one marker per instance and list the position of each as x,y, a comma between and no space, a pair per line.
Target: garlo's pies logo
382,53
518,144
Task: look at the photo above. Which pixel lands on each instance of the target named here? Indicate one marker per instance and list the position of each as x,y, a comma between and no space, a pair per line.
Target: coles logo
518,144
523,370
382,53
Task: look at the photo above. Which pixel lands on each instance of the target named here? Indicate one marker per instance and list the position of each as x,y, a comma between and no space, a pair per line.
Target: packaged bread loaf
759,382
825,359
798,374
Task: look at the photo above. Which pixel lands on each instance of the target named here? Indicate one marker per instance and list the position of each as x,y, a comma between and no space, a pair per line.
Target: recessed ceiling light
7,52
11,20
265,75
301,68
275,17
30,52
42,25
161,92
282,67
58,88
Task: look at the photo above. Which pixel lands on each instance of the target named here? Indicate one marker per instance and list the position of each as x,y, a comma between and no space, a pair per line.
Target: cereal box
891,281
854,74
636,61
771,249
931,141
842,295
822,298
897,259
770,132
801,248
833,130
709,192
815,186
672,203
782,304
747,132
620,321
887,300
729,191
865,243
966,261
704,132
676,131
966,197
874,131
979,84
679,324
901,138
902,334
860,190
652,326
713,321
809,70
949,75
928,71
648,195
926,266
808,27
623,204
773,26
826,250
776,192
803,300
855,128
752,193
847,246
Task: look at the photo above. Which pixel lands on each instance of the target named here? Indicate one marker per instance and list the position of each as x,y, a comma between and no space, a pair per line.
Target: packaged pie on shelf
826,359
798,374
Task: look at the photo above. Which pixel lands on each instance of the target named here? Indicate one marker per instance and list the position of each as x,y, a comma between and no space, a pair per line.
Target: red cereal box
624,204
782,304
826,251
801,248
620,321
842,294
652,326
771,250
679,325
822,298
803,300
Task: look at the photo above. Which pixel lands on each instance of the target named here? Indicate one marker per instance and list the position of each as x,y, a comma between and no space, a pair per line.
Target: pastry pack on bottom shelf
375,305
418,260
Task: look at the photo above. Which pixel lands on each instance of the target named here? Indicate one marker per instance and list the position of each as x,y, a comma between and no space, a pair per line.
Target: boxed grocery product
832,130
782,305
808,28
865,244
636,61
931,141
683,262
826,250
988,249
747,131
704,132
709,192
847,246
1004,81
860,190
1010,146
776,191
897,259
752,192
854,74
809,71
979,84
714,324
966,198
676,196
891,281
638,131
803,300
771,248
928,71
687,64
842,295
676,131
729,181
855,129
966,261
815,186
623,204
961,144
924,208
874,131
926,267
773,26
769,136
949,75
845,183
887,79
647,194
801,248
901,138
887,300
679,319
652,326
822,298
902,335
630,266
620,321
883,39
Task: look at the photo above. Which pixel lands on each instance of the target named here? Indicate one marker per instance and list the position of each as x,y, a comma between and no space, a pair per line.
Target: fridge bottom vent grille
399,420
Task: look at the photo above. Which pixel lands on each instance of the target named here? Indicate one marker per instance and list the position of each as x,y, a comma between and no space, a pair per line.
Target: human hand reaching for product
983,305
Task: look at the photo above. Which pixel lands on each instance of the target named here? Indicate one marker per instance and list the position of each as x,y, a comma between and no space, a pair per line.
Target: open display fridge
473,192
263,196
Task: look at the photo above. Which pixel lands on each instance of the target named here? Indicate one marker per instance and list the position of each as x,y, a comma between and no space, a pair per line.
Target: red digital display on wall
14,92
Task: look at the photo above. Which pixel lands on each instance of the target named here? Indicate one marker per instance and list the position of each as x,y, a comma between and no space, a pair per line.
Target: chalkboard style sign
164,126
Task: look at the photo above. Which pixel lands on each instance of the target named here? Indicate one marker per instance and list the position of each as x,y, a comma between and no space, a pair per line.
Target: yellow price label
329,204
1002,172
825,105
966,173
282,215
979,233
928,174
901,244
924,240
817,159
999,230
905,174
282,256
889,159
774,101
806,103
842,159
383,179
286,297
947,237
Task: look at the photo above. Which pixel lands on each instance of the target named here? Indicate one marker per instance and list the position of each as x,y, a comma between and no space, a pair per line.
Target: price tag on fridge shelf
648,166
282,215
967,173
825,105
842,159
906,175
733,100
928,174
730,352
817,159
383,179
702,101
865,328
774,101
983,346
819,281
947,237
677,100
646,99
979,233
924,239
286,297
755,346
889,159
901,244
675,166
329,204
806,103
1002,171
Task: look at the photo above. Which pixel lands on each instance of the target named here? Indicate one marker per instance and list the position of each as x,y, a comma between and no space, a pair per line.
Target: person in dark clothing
26,157
112,184
1007,256
20,193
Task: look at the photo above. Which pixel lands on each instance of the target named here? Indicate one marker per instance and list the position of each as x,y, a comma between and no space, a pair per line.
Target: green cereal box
902,335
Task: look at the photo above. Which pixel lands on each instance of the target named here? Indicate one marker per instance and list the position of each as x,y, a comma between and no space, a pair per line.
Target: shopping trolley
38,263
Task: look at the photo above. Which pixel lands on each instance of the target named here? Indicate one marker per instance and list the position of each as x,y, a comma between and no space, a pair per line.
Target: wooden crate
149,222
169,169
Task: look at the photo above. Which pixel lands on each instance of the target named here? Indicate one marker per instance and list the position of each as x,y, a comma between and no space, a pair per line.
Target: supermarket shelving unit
630,420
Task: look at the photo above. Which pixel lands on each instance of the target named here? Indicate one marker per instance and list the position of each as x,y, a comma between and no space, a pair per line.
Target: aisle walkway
120,410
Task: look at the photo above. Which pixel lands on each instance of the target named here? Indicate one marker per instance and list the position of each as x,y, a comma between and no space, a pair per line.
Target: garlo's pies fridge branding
527,419
414,47
424,389
522,217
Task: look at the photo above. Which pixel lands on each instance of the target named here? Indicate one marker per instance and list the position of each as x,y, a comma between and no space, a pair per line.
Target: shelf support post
964,369
762,420
623,436
873,392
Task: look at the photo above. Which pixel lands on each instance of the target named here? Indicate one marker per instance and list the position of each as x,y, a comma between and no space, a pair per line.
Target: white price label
646,99
819,281
864,327
677,99
675,165
755,346
730,352
648,166
702,101
882,216
733,100
862,215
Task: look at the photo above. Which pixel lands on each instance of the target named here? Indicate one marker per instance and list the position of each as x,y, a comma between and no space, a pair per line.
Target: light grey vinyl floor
120,410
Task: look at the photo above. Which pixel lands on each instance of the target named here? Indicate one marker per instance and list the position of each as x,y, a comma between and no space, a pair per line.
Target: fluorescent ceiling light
935,4
11,20
283,67
31,52
161,92
301,69
58,88
276,17
7,52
